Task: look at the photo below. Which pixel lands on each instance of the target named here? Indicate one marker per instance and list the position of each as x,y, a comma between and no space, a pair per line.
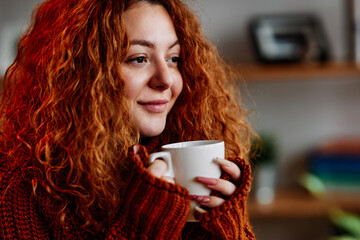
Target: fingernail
207,181
194,197
222,162
201,199
205,199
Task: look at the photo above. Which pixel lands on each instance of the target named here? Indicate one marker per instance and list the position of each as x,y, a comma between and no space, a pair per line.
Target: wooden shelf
300,204
297,71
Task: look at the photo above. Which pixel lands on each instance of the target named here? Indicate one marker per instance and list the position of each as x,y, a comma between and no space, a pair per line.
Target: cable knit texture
150,208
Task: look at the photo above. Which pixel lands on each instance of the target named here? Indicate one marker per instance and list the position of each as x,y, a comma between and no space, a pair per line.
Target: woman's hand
158,168
223,186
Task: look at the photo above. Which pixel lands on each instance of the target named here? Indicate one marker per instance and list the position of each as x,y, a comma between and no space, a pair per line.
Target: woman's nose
161,78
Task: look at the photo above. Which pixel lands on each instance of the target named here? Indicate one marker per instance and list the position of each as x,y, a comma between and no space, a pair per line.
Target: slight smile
155,106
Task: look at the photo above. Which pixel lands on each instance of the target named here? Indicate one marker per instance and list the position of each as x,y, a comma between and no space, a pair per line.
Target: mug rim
192,144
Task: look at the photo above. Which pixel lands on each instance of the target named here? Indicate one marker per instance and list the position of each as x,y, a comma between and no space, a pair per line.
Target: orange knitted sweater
151,209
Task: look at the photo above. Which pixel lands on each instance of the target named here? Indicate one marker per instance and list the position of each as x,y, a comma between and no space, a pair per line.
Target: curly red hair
64,111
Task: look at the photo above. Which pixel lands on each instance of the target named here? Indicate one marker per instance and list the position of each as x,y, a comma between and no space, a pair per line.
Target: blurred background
299,74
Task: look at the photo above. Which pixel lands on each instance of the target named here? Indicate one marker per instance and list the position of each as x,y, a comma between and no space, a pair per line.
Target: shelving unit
299,204
286,72
291,205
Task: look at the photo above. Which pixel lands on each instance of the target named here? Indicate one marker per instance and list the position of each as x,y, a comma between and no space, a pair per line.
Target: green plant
349,222
263,149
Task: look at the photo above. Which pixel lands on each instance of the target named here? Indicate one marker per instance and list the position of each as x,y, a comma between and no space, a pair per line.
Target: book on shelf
337,165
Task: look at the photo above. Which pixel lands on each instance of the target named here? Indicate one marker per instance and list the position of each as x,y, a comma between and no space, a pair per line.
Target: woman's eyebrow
144,43
150,44
174,44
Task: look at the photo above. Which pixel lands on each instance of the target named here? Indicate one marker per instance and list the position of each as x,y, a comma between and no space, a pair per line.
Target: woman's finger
223,186
207,201
200,210
136,148
231,168
157,168
168,179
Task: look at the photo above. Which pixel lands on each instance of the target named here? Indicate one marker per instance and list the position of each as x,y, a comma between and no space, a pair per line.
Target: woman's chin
151,131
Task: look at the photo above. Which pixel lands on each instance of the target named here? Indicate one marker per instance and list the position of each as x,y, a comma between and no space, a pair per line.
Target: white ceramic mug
188,160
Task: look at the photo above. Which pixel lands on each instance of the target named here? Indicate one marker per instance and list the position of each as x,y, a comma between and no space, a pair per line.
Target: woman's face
152,78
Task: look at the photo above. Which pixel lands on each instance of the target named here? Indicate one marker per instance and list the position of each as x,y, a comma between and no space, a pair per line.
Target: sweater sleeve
151,208
25,214
228,221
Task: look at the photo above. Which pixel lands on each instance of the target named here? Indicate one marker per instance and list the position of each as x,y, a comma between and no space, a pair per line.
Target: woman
95,87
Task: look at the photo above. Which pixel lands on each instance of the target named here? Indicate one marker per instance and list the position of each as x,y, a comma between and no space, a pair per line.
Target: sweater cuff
230,218
153,207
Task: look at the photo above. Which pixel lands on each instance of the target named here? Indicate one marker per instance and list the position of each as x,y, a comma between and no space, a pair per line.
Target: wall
14,18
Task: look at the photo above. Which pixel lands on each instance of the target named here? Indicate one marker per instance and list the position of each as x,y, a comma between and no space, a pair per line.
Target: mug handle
166,156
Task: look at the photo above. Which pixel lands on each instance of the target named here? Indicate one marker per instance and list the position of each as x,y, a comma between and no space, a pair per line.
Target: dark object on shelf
289,38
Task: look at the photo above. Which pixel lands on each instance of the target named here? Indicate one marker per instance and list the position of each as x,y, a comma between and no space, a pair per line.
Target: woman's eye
137,60
175,60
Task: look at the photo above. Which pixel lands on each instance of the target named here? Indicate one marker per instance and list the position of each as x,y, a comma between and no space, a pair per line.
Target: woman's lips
155,106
